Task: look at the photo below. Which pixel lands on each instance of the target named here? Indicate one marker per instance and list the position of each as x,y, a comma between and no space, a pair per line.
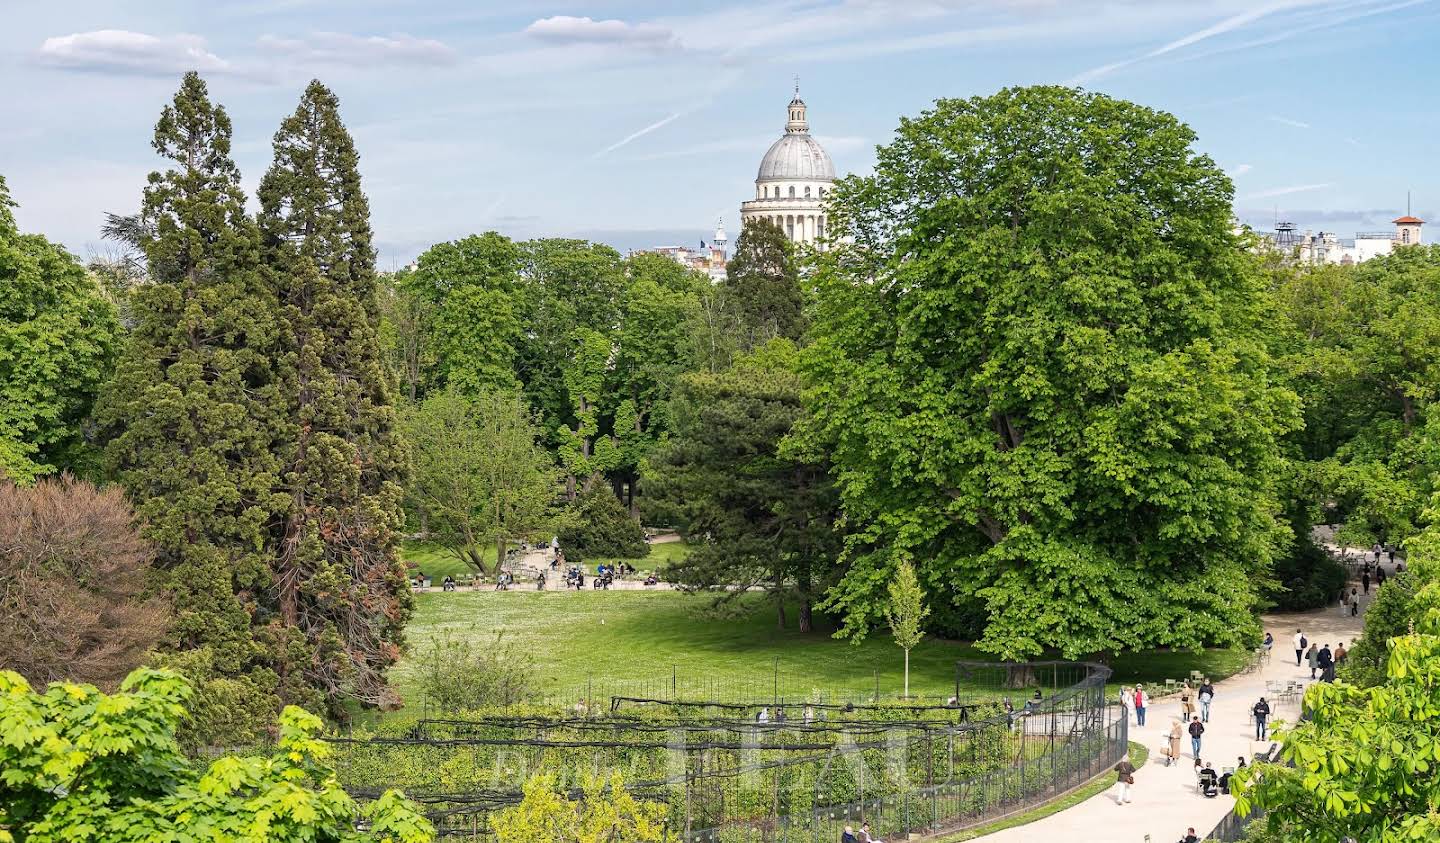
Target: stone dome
796,157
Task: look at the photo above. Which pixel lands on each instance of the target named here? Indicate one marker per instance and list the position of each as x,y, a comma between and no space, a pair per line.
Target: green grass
660,555
1097,785
633,642
436,561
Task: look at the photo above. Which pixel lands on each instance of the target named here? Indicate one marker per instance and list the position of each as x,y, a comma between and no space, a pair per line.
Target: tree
605,812
81,765
59,336
764,285
905,613
1037,363
339,581
757,515
75,569
1361,764
598,527
587,451
479,473
198,415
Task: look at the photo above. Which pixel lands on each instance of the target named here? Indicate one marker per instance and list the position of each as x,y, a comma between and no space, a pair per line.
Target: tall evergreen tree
764,284
339,583
196,410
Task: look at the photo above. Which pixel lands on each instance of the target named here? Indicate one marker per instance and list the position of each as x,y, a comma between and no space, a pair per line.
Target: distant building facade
710,259
795,177
1326,247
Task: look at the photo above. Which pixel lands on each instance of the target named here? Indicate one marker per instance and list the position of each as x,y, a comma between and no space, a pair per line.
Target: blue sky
639,123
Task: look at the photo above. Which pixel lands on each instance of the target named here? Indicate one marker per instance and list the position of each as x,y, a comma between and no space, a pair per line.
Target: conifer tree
340,586
195,410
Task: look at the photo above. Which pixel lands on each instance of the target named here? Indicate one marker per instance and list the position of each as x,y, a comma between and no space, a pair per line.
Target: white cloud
361,50
565,29
1284,191
1240,170
1286,121
122,51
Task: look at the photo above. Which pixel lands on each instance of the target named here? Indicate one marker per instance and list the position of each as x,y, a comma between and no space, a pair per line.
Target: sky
641,123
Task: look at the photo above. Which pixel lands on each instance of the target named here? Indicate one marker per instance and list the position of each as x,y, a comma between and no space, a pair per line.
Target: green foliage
339,581
59,335
459,672
597,526
76,764
905,613
1038,367
479,474
762,281
758,517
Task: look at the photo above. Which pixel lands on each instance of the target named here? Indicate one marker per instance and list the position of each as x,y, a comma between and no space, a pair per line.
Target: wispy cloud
339,48
1240,170
1286,121
565,29
636,135
135,53
1283,191
1326,22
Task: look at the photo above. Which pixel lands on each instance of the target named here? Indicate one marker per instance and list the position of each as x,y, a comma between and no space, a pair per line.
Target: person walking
1141,701
1300,642
1365,581
1379,576
1207,695
1187,700
1354,607
1176,731
1125,777
1340,654
1261,710
1326,660
1127,702
1196,730
1312,659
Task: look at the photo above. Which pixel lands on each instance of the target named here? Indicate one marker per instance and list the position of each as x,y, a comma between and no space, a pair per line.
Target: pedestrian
1379,577
1365,581
1268,643
1392,556
1127,702
1141,701
1196,730
763,715
1176,731
1299,646
1187,702
1190,836
1326,660
1261,710
1207,694
1125,777
1312,659
1340,654
1354,607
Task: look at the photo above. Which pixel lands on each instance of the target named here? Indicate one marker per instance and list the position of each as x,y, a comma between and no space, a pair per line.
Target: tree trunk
807,620
907,673
499,551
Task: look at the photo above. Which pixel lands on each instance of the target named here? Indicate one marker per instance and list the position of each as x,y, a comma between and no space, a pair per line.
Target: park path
1165,799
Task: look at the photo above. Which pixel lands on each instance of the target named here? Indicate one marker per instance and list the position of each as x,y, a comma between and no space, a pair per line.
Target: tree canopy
1038,365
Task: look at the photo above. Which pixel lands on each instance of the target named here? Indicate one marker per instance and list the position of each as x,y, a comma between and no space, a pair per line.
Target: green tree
905,613
480,475
81,765
598,527
758,516
1038,366
197,413
339,581
59,336
763,282
606,812
587,450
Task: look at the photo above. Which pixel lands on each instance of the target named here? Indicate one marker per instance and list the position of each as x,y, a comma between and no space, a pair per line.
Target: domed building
795,176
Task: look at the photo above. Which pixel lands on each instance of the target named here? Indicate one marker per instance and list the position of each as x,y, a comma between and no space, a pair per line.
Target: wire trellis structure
776,767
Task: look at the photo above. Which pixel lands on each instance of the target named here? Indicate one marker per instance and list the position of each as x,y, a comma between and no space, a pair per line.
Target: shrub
606,812
598,527
458,673
1308,578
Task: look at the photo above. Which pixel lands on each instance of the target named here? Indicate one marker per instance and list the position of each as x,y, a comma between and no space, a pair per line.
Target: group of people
850,835
1318,658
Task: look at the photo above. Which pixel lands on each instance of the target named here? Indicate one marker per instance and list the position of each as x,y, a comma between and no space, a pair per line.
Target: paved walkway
1165,800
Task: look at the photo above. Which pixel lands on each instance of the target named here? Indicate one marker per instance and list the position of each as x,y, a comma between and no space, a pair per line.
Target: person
1196,730
1261,710
419,579
540,581
1127,702
1187,701
779,715
1312,658
1399,567
848,835
1299,646
1365,581
864,836
447,584
1326,660
1379,577
1176,731
1207,695
763,716
579,580
1392,556
1125,777
580,708
650,579
1141,701
1190,836
1209,782
1269,643
1340,654
1354,606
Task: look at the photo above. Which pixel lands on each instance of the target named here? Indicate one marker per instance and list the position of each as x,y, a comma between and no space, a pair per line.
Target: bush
598,527
1308,578
458,673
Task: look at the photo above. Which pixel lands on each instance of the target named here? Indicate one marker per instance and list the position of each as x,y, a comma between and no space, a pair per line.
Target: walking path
1165,799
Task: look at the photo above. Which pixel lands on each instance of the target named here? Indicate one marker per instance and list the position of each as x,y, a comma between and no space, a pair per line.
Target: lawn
637,643
436,561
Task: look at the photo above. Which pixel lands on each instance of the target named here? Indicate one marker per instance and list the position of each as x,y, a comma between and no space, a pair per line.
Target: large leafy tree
763,282
1038,366
758,516
340,587
197,413
82,765
480,474
59,335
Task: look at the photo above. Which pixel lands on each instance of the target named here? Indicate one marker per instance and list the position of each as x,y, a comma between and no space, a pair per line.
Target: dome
796,157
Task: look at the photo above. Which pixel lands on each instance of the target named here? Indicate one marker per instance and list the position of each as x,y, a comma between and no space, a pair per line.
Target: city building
795,176
1326,247
709,259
